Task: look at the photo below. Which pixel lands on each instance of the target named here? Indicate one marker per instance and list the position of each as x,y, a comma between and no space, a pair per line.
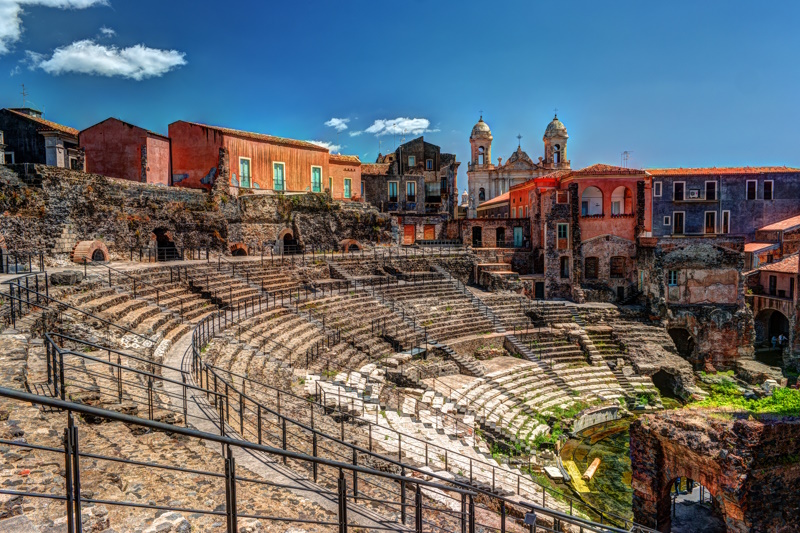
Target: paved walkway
204,419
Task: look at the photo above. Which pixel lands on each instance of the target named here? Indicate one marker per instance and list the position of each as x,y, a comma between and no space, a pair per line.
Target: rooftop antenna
555,112
624,158
519,140
24,95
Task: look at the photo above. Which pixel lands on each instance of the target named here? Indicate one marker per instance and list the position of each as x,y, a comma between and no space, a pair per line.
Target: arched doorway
289,244
238,250
99,256
771,324
165,247
693,508
684,342
477,240
665,383
621,201
500,237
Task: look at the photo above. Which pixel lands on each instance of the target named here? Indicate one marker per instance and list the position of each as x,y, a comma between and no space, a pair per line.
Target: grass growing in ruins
785,402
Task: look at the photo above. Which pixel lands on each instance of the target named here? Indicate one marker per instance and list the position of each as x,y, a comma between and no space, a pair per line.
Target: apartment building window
667,221
678,191
677,222
279,176
657,189
725,227
773,285
347,187
562,197
330,185
526,211
8,158
591,267
563,236
316,179
429,164
412,161
564,267
711,222
672,278
751,189
244,172
392,191
411,191
711,190
768,190
513,212
617,267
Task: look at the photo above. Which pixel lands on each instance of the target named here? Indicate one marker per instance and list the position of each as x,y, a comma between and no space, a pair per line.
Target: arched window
480,155
557,154
621,201
591,202
481,195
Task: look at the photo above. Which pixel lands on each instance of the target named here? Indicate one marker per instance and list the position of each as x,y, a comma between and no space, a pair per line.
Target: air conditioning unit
694,193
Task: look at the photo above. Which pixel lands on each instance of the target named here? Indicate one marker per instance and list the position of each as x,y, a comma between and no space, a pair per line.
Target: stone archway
666,383
287,242
3,255
165,246
684,342
238,249
89,252
350,245
770,323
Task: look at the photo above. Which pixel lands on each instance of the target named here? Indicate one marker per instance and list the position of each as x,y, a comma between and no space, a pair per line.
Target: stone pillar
575,214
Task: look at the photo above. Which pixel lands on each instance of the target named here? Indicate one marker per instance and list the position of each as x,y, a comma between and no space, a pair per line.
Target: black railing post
230,492
342,503
402,495
76,473
471,514
463,513
68,475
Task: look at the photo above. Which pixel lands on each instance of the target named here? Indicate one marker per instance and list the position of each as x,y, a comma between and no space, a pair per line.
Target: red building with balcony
120,150
584,230
255,162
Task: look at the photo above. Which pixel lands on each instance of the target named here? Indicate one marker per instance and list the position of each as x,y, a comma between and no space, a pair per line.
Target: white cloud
400,125
355,133
107,32
87,57
11,16
15,71
339,124
330,146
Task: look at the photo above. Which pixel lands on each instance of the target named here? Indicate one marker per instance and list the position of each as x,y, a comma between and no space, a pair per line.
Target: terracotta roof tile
376,169
756,246
600,169
788,223
558,174
262,137
47,125
341,158
496,200
787,265
718,171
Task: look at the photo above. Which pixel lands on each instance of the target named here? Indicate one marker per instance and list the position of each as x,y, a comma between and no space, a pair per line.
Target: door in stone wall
430,232
409,231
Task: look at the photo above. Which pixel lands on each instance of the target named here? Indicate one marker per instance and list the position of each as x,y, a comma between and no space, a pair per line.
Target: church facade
487,180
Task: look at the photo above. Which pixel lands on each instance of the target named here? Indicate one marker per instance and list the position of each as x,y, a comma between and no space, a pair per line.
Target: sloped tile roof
496,200
46,125
261,137
376,169
756,246
786,265
718,171
341,158
601,169
781,225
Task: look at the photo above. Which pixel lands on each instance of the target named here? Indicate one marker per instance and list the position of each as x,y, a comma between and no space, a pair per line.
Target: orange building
584,229
120,150
259,162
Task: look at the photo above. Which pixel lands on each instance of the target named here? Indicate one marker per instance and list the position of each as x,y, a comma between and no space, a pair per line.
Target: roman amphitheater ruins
178,360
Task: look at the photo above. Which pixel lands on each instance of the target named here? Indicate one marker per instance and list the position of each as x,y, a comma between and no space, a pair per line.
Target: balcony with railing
778,302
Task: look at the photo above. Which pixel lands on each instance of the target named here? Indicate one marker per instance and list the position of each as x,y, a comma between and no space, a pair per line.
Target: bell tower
555,145
481,145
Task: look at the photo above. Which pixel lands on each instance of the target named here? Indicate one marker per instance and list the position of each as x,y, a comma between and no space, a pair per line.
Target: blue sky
676,83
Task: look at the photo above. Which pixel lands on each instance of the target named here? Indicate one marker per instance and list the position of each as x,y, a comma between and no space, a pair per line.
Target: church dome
481,129
556,129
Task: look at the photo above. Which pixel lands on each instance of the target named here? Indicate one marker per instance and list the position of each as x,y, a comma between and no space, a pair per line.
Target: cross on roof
555,111
519,138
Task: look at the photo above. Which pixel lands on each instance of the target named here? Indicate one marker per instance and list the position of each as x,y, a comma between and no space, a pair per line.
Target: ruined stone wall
708,300
750,466
555,285
39,202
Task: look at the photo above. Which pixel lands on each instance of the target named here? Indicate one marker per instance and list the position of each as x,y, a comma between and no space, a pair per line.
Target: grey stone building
722,201
417,178
29,138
